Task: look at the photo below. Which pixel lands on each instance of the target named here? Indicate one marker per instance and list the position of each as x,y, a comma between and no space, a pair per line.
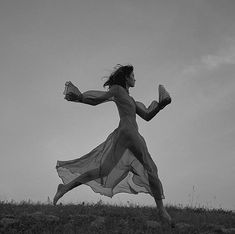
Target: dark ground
30,218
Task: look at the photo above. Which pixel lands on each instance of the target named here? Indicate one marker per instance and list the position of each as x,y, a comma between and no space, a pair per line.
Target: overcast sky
186,45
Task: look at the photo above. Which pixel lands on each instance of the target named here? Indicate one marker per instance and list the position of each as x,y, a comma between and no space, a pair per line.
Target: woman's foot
166,218
59,193
164,97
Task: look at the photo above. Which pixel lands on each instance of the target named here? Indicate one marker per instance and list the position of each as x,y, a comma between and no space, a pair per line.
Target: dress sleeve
95,97
147,113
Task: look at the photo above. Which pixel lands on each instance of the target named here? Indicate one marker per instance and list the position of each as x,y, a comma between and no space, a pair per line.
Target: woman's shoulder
116,89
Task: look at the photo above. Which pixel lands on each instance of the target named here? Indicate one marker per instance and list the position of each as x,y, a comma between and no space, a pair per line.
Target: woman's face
130,80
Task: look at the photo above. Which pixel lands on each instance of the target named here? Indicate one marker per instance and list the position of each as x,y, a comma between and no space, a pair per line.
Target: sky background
186,45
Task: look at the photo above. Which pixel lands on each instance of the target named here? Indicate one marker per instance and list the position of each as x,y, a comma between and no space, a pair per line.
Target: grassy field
28,218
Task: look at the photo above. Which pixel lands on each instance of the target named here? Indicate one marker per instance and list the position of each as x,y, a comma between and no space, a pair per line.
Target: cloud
212,61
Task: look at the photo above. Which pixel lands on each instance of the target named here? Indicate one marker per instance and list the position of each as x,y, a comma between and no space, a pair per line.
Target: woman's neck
127,89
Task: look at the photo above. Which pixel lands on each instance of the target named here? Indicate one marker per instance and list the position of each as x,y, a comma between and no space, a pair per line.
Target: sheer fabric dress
122,162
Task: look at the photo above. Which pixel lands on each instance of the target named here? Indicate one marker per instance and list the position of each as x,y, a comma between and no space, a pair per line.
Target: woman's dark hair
118,76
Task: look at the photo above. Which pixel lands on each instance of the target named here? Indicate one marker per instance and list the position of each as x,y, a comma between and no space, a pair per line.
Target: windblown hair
118,76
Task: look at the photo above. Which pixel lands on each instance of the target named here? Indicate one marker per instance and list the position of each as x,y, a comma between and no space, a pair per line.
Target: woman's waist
128,121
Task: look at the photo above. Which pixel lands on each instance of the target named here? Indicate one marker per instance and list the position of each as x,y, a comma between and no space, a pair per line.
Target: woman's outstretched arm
93,97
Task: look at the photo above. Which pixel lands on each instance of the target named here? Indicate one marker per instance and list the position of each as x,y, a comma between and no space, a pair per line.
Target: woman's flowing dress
123,154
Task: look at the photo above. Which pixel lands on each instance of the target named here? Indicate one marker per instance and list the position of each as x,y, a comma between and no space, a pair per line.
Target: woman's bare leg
82,179
156,189
107,166
142,154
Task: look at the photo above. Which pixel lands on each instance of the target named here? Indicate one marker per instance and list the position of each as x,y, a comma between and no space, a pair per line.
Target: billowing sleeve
95,97
147,113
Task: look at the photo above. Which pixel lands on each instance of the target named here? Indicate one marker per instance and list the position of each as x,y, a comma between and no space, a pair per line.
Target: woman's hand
71,88
164,103
164,97
72,97
72,93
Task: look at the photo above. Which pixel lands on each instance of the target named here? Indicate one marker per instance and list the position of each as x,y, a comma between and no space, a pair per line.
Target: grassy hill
30,218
